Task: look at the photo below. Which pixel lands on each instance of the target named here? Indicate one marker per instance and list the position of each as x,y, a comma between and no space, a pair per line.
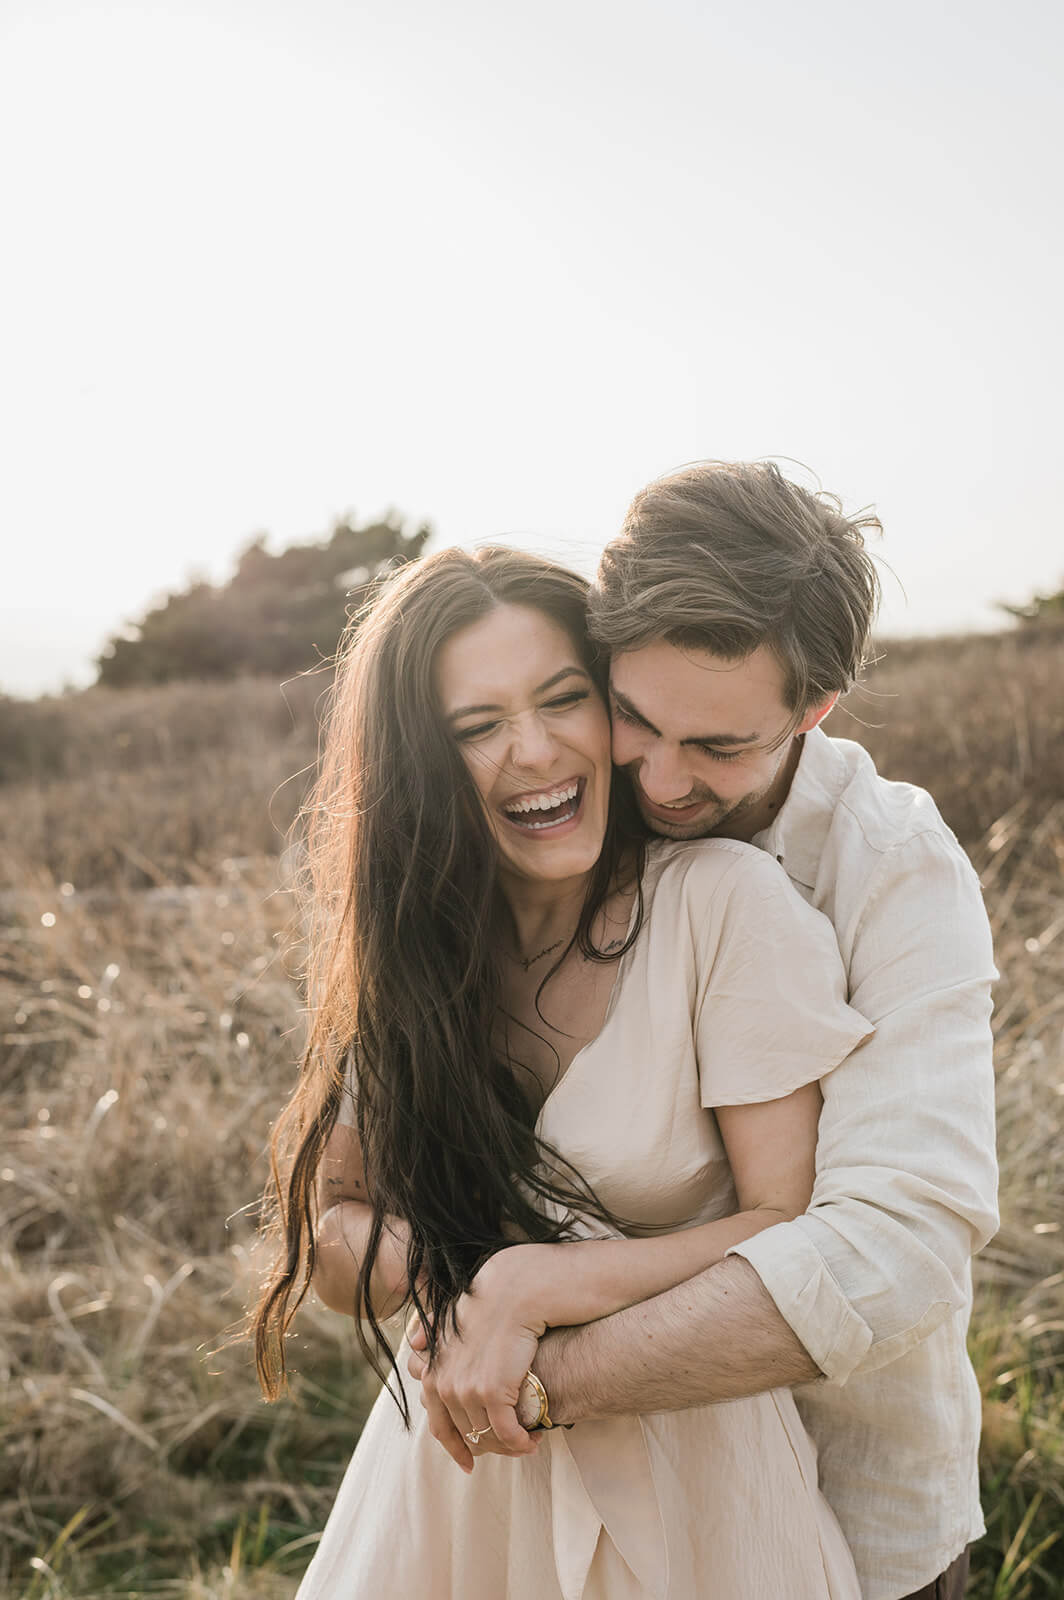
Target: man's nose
665,776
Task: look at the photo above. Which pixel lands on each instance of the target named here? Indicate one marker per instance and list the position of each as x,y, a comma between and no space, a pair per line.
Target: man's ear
817,714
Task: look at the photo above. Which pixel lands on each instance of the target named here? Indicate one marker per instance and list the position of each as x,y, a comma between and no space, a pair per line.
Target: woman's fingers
486,1408
508,1432
457,1412
442,1428
479,1432
468,1429
470,1392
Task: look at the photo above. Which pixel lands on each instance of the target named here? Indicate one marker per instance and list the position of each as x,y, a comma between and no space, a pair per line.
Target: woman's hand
474,1382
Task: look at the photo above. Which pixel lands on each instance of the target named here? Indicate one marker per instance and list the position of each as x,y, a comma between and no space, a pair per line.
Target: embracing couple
648,1075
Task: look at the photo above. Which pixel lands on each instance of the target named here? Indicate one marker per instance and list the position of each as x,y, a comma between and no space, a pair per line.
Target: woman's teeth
555,805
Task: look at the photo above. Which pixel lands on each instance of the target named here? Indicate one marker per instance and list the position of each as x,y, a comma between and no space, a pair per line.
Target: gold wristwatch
539,1394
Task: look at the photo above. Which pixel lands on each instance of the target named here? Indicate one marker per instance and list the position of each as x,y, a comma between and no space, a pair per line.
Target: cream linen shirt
875,1277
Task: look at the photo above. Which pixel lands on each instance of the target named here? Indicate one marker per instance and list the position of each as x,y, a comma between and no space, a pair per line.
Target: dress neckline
622,963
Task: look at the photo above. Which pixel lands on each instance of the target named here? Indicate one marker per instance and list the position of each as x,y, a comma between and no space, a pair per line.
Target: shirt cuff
808,1298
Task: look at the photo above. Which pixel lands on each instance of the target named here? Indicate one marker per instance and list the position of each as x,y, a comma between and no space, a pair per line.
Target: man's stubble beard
707,827
725,822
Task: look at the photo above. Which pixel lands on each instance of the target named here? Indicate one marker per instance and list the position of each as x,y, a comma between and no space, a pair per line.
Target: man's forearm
717,1337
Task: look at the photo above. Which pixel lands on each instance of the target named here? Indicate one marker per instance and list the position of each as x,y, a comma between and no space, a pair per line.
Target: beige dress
733,993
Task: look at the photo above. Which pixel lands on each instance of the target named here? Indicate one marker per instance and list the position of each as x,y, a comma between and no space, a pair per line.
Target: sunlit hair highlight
726,556
402,974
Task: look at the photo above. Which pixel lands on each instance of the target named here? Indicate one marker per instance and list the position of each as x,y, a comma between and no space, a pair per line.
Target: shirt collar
797,835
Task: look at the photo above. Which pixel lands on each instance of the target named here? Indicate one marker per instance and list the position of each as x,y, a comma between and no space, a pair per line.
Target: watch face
532,1403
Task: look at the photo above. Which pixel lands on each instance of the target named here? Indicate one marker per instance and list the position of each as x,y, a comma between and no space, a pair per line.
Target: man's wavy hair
725,556
403,970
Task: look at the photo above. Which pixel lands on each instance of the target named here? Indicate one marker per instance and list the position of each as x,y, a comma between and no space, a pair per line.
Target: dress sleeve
771,1012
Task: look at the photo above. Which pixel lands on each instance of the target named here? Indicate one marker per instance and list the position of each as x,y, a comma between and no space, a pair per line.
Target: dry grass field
151,1021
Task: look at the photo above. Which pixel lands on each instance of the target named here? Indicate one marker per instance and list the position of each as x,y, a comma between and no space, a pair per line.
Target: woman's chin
551,860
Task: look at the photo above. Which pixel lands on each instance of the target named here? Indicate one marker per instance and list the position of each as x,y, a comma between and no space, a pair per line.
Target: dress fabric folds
733,992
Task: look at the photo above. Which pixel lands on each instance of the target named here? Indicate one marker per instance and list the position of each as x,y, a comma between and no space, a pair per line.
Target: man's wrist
550,1370
528,1407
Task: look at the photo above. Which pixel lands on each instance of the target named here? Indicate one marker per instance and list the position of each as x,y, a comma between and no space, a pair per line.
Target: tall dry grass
149,1040
151,1022
129,788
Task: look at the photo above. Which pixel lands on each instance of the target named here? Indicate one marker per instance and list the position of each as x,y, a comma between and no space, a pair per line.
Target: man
737,607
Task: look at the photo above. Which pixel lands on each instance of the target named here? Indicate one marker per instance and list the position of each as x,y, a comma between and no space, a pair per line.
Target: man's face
704,740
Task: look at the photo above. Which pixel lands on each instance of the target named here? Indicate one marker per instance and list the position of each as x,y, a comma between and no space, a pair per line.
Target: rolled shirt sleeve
906,1178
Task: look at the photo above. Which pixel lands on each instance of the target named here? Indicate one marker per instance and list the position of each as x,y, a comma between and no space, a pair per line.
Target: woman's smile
546,810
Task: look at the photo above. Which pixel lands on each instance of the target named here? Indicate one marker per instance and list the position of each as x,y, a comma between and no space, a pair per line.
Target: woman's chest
544,1027
628,1112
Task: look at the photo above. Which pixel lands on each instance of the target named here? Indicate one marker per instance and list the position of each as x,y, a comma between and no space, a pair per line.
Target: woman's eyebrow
566,672
541,688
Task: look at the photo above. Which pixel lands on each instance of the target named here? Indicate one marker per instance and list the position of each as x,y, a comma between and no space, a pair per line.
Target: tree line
278,614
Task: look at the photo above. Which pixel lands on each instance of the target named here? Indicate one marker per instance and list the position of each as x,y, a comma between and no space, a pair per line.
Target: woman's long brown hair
402,970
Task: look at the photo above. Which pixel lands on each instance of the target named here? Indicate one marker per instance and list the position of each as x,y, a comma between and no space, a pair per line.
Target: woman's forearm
585,1279
340,1244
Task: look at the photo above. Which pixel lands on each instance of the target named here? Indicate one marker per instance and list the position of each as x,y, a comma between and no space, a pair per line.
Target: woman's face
535,735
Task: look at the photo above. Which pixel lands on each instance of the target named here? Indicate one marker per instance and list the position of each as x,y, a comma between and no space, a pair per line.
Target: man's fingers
417,1366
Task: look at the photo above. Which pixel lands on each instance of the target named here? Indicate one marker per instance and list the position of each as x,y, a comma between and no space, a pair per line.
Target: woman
582,1068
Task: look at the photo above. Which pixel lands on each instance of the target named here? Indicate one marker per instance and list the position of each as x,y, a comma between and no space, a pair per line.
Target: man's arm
905,1190
717,1337
521,1290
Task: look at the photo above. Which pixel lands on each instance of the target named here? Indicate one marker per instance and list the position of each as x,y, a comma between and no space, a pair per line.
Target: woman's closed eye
478,731
561,702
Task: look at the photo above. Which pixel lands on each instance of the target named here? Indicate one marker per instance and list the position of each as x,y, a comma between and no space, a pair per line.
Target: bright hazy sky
497,266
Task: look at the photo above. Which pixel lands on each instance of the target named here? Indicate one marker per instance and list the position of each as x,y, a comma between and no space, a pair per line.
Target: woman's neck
544,914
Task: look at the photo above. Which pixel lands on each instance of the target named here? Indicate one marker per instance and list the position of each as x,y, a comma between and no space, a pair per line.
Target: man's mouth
540,810
671,811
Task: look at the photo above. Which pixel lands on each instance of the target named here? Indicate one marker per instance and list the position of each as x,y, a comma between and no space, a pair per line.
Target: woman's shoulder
718,888
702,866
704,895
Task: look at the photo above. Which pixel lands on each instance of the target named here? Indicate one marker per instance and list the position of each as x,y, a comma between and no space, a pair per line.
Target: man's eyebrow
632,710
729,740
541,688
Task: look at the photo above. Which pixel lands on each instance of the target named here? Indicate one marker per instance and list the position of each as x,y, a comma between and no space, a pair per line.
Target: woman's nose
532,744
